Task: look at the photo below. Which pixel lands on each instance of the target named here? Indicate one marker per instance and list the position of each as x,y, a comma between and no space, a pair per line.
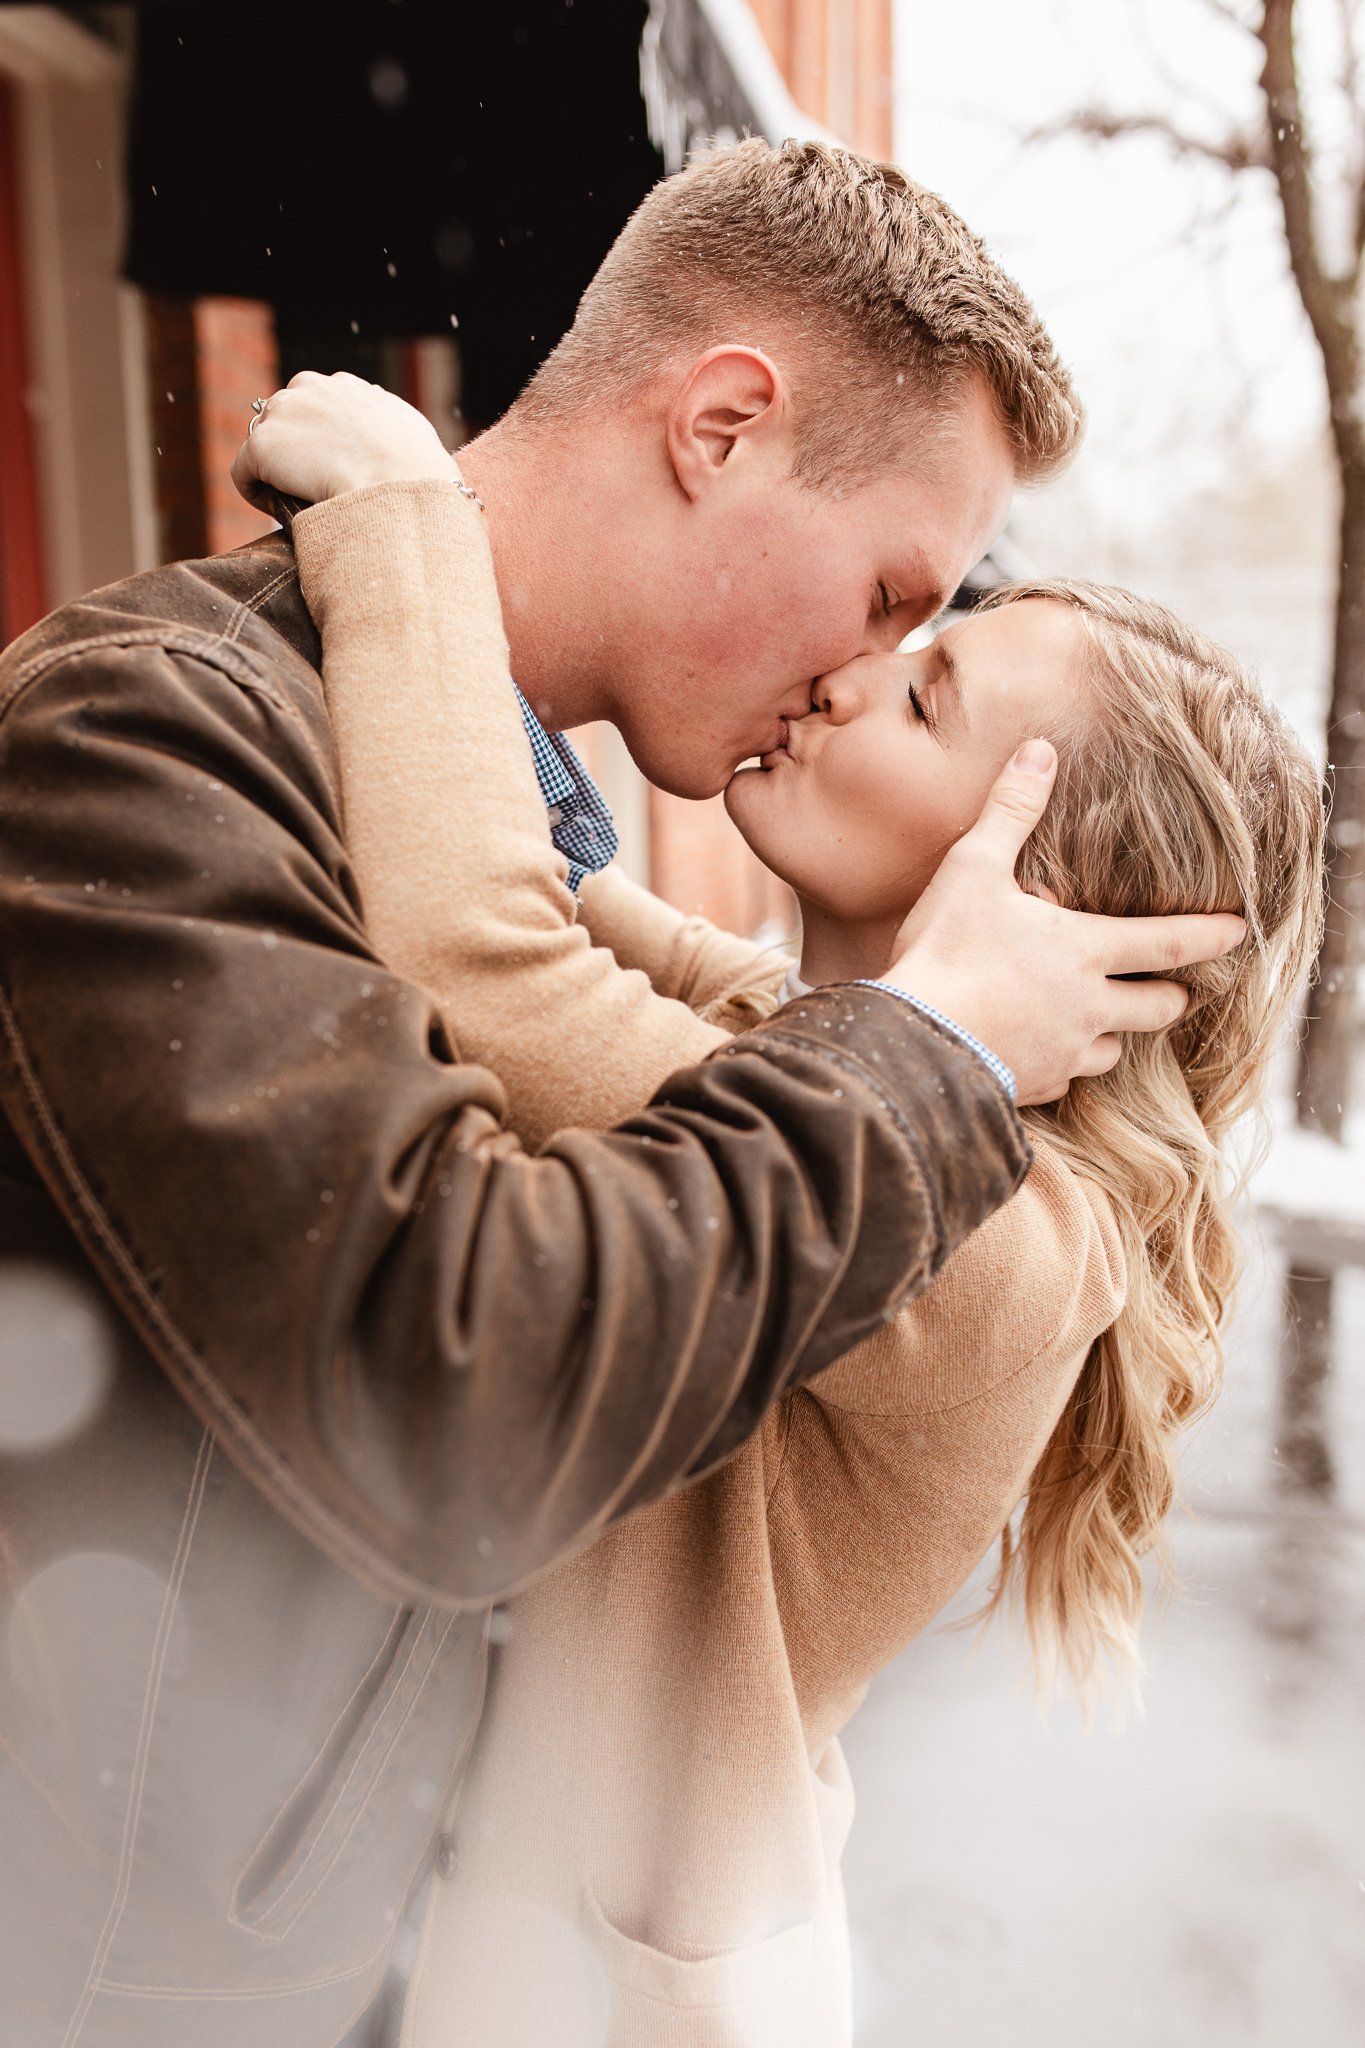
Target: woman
647,1848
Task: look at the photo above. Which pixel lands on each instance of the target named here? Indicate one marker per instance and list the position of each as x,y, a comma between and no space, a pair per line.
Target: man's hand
322,436
1033,982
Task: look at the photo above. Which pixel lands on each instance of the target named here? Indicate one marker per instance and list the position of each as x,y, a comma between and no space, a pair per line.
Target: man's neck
556,602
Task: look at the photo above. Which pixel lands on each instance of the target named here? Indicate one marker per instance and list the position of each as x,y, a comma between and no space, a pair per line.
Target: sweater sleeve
462,888
687,958
901,1463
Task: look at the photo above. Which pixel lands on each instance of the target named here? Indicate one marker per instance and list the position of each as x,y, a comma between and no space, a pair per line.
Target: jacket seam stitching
363,1803
249,606
127,1854
212,649
227,1995
342,1789
359,1687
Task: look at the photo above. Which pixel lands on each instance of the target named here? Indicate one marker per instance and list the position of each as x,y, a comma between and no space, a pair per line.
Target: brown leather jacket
307,1361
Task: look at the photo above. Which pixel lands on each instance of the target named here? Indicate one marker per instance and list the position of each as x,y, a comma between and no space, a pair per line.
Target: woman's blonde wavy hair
1179,789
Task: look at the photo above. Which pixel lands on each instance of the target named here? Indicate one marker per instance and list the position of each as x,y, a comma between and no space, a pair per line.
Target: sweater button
447,1856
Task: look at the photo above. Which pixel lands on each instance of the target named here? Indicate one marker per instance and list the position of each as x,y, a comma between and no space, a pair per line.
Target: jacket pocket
739,1998
309,1834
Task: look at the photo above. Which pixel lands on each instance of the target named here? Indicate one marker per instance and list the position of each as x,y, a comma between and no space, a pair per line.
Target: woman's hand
321,436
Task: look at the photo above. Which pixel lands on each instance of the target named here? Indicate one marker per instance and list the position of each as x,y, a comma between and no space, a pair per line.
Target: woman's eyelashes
917,705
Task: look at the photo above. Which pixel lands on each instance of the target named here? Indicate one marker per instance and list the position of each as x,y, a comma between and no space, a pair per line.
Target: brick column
207,360
698,861
238,361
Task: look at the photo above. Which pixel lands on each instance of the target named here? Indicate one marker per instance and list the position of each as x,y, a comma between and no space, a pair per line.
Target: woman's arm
897,1467
445,822
688,958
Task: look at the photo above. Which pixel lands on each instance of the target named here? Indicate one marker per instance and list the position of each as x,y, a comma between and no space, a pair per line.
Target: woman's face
870,791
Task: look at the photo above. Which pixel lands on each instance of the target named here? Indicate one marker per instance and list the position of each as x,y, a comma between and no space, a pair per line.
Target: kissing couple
510,1362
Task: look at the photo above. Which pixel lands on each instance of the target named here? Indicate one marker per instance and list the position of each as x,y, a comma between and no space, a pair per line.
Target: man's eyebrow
919,577
949,673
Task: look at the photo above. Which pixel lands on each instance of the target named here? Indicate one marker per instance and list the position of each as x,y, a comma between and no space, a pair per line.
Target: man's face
767,584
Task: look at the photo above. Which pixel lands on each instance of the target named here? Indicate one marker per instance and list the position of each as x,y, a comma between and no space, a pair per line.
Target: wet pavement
1195,1880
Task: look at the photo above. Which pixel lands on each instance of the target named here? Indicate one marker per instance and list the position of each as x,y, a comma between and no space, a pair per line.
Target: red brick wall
207,360
699,862
238,361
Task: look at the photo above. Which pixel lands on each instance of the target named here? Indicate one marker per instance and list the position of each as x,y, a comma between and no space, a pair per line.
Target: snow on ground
1195,1880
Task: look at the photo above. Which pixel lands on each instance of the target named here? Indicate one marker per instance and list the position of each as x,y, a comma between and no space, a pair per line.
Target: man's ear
733,398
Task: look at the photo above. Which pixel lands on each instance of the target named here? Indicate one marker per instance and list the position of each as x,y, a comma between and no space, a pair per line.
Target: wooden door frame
84,367
22,589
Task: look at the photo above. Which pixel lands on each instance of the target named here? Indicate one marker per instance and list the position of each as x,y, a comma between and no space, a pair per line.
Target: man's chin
694,781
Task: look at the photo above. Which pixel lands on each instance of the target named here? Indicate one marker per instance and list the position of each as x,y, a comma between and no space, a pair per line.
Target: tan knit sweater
648,1844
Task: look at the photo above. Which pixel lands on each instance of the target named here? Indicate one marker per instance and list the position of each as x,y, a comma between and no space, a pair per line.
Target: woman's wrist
364,472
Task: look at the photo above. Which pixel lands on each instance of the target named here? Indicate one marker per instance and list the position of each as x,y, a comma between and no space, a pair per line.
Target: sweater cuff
334,545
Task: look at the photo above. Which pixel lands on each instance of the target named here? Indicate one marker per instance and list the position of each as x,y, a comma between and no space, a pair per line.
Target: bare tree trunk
1326,1051
1306,1366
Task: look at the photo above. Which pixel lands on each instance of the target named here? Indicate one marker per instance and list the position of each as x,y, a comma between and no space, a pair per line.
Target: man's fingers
1016,802
1154,945
1104,1054
1142,1006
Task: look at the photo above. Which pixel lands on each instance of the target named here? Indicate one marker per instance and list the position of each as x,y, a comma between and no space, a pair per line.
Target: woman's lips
781,751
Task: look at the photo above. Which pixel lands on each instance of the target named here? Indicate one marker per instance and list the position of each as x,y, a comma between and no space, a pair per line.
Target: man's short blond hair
868,290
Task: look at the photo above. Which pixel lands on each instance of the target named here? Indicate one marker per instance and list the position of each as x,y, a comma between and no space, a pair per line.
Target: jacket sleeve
450,1363
445,823
898,1467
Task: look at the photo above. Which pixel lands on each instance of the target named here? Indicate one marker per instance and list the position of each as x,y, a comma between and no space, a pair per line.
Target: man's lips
782,750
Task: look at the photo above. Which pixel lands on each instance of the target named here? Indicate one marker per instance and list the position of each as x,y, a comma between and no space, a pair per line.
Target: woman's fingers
247,474
323,435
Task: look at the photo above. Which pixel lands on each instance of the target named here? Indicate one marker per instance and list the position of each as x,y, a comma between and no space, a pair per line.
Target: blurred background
198,199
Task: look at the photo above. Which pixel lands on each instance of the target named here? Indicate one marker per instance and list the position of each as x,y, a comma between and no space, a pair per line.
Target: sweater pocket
757,1996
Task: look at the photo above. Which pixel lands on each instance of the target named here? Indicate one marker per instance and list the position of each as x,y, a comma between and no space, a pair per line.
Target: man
323,1363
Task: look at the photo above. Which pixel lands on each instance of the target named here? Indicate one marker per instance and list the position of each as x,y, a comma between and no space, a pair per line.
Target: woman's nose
838,695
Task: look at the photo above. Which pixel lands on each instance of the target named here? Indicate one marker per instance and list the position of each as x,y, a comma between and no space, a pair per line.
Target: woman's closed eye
917,705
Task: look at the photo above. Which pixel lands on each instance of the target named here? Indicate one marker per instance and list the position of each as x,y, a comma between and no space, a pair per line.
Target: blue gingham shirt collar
581,825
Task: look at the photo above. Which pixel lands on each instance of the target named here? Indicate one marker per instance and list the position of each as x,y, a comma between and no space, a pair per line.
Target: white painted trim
54,429
137,421
39,44
86,357
676,118
746,49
